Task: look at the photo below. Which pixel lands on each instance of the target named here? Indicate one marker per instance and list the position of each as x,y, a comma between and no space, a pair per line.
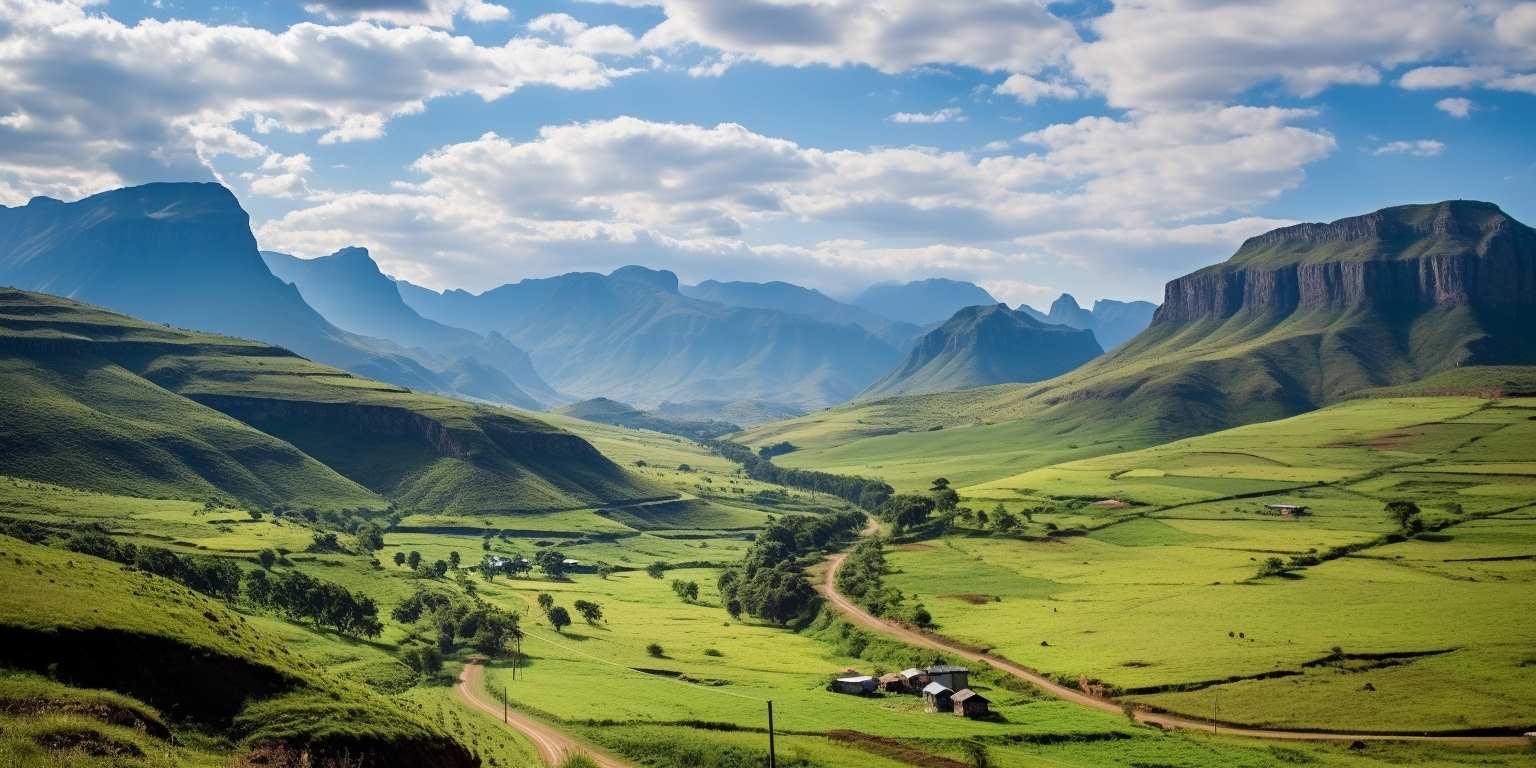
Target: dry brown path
855,613
554,746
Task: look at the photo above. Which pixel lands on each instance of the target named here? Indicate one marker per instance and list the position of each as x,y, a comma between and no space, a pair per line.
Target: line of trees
211,576
301,597
864,492
769,584
862,577
453,622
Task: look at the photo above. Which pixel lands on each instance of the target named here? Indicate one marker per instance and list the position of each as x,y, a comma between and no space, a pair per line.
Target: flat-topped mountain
922,302
633,336
350,291
987,345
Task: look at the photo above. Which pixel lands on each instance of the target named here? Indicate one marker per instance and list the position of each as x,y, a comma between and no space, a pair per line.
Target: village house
1287,510
950,676
858,684
916,678
893,682
968,703
937,698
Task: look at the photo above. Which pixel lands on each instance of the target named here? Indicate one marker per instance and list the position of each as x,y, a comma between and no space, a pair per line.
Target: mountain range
797,300
1113,322
985,345
922,302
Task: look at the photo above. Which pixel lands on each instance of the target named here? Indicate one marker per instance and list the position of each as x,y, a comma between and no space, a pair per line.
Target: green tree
399,558
1406,515
267,558
413,559
604,570
656,570
906,510
1273,566
590,612
559,618
551,562
654,649
439,569
687,590
453,560
370,537
546,602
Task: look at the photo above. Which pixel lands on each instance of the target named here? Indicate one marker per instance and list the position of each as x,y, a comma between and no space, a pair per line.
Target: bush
654,649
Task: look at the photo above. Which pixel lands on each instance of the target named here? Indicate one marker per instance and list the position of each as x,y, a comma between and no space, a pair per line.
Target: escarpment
1406,259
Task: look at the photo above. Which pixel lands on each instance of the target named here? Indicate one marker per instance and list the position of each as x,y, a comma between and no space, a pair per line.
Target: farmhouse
937,698
968,703
1287,510
894,683
858,684
950,676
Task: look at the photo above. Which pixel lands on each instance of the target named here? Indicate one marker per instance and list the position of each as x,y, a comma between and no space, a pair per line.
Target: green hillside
101,401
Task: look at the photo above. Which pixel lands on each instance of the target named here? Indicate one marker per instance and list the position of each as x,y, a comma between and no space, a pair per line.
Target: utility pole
773,760
503,704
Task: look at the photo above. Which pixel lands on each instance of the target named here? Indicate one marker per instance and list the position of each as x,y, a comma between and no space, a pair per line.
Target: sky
1093,147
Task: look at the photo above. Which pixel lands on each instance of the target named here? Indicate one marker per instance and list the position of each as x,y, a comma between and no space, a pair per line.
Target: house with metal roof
857,684
949,675
936,698
968,703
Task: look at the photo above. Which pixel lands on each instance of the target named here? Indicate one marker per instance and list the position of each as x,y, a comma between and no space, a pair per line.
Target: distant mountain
605,411
633,336
182,254
796,300
102,401
1112,322
744,412
922,302
350,291
987,345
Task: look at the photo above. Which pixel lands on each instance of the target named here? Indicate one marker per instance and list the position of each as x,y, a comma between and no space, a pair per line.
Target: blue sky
1092,147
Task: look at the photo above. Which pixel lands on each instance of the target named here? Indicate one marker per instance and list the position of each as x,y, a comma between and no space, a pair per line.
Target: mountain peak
354,257
1065,303
661,279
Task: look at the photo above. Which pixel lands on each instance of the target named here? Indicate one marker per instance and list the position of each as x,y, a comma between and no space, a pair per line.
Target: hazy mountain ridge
349,290
1113,322
633,336
922,302
798,300
986,345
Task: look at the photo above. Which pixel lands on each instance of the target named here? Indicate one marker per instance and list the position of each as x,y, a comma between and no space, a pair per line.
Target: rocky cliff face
1412,257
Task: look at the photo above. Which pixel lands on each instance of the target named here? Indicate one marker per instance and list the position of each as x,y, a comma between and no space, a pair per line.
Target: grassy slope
1180,568
111,403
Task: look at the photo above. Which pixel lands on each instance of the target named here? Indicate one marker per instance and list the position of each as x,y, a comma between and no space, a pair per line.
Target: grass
1180,566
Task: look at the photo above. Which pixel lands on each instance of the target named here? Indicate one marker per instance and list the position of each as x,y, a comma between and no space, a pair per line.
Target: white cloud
605,39
113,103
724,199
281,176
1029,90
1494,78
1417,148
946,115
1456,107
1164,52
891,36
432,13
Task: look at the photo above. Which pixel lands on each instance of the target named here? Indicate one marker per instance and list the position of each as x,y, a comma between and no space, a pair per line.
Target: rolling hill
986,345
605,411
1298,318
922,302
633,336
350,291
101,401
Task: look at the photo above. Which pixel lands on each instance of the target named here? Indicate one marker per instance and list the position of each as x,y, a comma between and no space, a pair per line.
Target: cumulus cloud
946,115
892,36
161,99
1028,90
432,13
605,39
1417,148
600,194
1456,107
1446,77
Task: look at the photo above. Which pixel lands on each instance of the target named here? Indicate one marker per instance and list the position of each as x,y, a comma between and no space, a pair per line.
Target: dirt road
856,614
553,745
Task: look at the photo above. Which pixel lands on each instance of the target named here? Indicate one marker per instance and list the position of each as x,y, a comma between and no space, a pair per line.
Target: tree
453,560
424,659
551,562
591,612
1406,515
267,558
258,588
654,649
559,618
906,510
413,559
370,537
687,590
656,570
399,559
939,484
439,569
546,602
1005,522
604,570
1273,566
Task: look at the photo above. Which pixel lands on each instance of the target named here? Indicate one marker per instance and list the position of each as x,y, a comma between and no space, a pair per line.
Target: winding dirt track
828,589
553,745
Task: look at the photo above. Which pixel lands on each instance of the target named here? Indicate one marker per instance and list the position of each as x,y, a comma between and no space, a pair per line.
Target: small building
937,698
950,676
968,703
893,683
916,678
857,685
1288,510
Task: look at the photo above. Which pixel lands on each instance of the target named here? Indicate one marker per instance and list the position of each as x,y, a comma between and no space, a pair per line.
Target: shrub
654,649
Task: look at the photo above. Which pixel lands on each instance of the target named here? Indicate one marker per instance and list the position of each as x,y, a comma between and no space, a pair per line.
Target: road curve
553,745
855,613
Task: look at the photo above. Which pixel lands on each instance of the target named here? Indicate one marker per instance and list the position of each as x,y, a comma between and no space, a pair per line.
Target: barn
968,703
857,684
937,698
950,676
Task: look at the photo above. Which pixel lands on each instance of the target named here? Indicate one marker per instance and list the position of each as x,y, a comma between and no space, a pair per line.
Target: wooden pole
773,760
503,704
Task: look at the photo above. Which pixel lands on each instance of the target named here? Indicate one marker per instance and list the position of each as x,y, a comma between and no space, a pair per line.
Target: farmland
1158,595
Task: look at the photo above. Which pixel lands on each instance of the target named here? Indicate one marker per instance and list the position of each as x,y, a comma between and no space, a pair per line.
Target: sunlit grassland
1165,604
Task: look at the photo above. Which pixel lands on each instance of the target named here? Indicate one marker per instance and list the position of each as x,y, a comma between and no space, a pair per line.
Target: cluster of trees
862,577
777,449
303,598
454,622
866,493
1405,514
769,583
211,576
687,591
1000,519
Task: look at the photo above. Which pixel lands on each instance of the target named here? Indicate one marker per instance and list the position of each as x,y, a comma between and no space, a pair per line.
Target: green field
1433,631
